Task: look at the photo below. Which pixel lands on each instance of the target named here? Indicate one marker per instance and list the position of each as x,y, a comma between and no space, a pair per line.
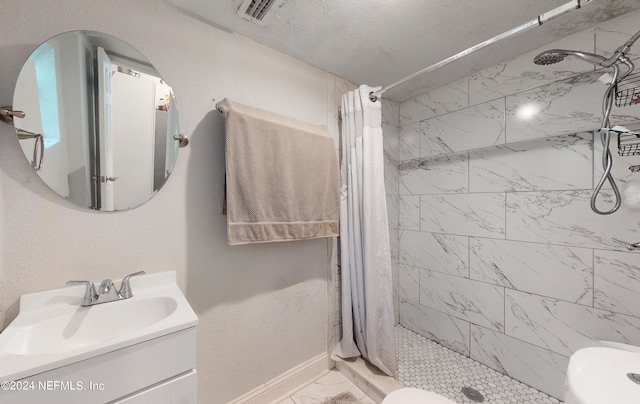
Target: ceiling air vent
258,11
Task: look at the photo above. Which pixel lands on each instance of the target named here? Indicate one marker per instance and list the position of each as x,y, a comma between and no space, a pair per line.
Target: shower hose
607,160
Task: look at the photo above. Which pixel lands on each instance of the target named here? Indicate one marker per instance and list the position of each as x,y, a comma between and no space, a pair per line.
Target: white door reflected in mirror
107,121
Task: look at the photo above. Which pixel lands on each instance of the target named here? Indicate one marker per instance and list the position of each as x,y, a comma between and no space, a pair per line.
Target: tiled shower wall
499,256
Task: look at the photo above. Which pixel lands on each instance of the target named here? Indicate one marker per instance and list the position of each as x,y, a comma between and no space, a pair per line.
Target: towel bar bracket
7,114
184,141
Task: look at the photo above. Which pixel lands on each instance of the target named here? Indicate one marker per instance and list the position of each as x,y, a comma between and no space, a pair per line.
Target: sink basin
90,326
53,330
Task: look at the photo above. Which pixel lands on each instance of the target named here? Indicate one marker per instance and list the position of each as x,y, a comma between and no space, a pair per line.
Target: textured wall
501,258
263,308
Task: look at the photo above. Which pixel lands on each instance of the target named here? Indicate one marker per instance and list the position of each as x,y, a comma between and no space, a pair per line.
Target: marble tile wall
478,126
567,106
515,167
499,254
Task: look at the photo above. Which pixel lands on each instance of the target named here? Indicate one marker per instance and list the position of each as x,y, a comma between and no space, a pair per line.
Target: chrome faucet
107,291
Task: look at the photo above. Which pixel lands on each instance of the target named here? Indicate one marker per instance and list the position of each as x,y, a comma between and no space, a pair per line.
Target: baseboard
288,382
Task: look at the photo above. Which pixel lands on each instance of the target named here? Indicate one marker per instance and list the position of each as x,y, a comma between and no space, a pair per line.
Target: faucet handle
125,288
89,293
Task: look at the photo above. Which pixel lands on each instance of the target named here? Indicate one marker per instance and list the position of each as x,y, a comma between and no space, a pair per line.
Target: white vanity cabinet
158,371
150,364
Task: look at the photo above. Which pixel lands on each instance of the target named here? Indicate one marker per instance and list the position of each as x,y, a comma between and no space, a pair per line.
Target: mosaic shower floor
427,365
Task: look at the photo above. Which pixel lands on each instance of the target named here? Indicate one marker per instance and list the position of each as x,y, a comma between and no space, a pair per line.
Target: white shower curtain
367,291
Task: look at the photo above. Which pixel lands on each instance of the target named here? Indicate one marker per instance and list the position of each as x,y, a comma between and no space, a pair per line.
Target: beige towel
282,177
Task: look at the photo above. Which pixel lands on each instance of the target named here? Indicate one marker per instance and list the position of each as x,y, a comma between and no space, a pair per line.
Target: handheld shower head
558,55
549,58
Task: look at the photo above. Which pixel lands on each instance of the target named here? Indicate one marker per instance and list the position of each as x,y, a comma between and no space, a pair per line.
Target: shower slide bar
565,8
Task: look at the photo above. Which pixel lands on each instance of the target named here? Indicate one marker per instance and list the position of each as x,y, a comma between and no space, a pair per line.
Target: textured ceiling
378,42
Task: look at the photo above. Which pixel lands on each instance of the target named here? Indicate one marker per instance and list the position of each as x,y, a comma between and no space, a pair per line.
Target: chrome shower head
549,58
558,55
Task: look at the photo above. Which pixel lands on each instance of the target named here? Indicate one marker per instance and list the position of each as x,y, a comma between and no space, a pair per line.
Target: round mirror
100,126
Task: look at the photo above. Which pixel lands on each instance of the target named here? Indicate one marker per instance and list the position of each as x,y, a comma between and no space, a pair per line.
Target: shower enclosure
496,252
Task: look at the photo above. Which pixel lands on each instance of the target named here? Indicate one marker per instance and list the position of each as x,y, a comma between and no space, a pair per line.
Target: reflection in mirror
100,125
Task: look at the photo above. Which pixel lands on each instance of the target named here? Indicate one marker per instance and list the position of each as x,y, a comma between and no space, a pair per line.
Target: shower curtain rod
565,8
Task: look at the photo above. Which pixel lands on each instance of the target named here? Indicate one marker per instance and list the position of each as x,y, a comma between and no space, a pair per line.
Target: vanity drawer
179,390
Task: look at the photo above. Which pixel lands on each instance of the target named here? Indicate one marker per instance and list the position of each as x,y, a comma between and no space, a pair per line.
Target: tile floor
329,385
427,365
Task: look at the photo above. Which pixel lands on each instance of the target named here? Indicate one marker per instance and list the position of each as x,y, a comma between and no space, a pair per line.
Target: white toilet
599,375
410,395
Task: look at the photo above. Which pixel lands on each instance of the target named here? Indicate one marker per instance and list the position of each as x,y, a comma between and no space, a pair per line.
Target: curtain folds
365,261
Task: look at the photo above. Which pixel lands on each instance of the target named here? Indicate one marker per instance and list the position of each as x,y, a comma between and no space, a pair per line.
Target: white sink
90,326
53,330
